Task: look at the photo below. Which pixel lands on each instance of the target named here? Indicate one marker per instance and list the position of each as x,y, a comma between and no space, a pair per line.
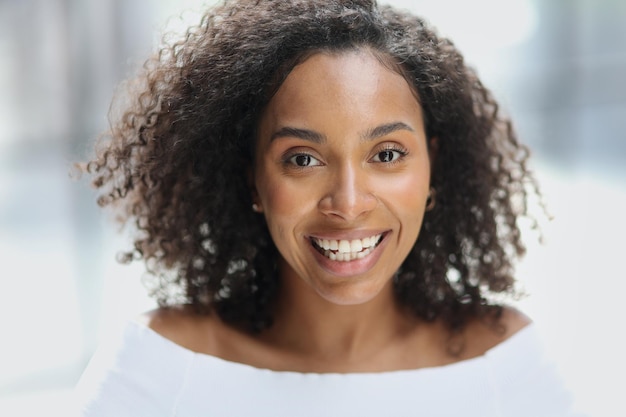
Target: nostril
347,203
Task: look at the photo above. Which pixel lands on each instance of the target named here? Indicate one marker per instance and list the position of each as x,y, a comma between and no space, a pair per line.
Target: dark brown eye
385,156
388,155
303,160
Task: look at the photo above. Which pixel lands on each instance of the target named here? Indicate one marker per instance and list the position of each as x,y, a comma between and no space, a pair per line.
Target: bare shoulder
513,321
481,336
183,326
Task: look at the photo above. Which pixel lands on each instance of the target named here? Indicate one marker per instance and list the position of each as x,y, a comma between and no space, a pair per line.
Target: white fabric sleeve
528,382
132,377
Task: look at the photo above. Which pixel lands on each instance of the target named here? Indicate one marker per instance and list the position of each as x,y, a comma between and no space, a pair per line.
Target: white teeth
346,257
347,246
348,250
356,246
344,246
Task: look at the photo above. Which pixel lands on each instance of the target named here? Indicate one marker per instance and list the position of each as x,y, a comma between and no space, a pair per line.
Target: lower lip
350,268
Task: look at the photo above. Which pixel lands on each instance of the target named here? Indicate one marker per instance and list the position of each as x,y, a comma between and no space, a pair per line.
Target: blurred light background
557,66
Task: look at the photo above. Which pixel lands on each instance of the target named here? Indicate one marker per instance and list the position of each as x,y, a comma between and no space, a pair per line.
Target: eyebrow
383,130
313,136
294,132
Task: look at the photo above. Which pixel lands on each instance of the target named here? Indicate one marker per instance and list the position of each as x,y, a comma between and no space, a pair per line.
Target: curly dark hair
175,161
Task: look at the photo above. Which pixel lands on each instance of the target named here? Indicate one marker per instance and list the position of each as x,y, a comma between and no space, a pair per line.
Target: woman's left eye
388,155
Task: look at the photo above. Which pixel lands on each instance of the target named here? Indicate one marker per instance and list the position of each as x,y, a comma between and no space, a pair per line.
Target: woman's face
342,174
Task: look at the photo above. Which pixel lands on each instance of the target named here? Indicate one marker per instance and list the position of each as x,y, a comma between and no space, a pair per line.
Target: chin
352,294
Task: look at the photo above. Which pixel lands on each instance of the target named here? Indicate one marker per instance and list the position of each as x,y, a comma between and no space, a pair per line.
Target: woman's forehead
354,72
340,91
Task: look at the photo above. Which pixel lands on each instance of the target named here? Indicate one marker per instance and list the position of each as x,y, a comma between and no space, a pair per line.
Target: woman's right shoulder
184,326
136,373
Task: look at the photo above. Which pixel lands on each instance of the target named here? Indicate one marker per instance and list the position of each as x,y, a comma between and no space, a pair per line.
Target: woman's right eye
303,160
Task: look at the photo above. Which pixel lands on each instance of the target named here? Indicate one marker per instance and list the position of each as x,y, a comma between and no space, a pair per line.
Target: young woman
327,197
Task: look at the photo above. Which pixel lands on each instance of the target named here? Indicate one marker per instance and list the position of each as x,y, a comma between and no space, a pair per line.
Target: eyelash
287,160
393,148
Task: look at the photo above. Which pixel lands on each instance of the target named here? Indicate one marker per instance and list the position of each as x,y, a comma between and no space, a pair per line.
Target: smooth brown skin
339,317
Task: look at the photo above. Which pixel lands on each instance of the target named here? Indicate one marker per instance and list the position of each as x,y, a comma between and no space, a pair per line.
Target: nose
349,195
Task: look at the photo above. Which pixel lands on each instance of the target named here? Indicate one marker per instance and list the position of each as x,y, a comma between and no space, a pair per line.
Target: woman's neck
307,325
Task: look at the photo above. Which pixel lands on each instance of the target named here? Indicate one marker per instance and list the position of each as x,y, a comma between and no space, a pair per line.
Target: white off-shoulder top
145,374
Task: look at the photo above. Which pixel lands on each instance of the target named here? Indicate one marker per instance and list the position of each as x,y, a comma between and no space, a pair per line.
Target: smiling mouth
346,250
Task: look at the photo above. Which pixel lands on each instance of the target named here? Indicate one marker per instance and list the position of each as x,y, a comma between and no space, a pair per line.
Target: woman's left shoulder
512,321
483,335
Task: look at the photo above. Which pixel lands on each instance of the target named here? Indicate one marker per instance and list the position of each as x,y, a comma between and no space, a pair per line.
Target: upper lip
348,234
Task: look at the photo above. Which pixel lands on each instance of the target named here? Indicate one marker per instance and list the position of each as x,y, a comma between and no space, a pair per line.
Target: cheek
283,197
285,203
406,193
